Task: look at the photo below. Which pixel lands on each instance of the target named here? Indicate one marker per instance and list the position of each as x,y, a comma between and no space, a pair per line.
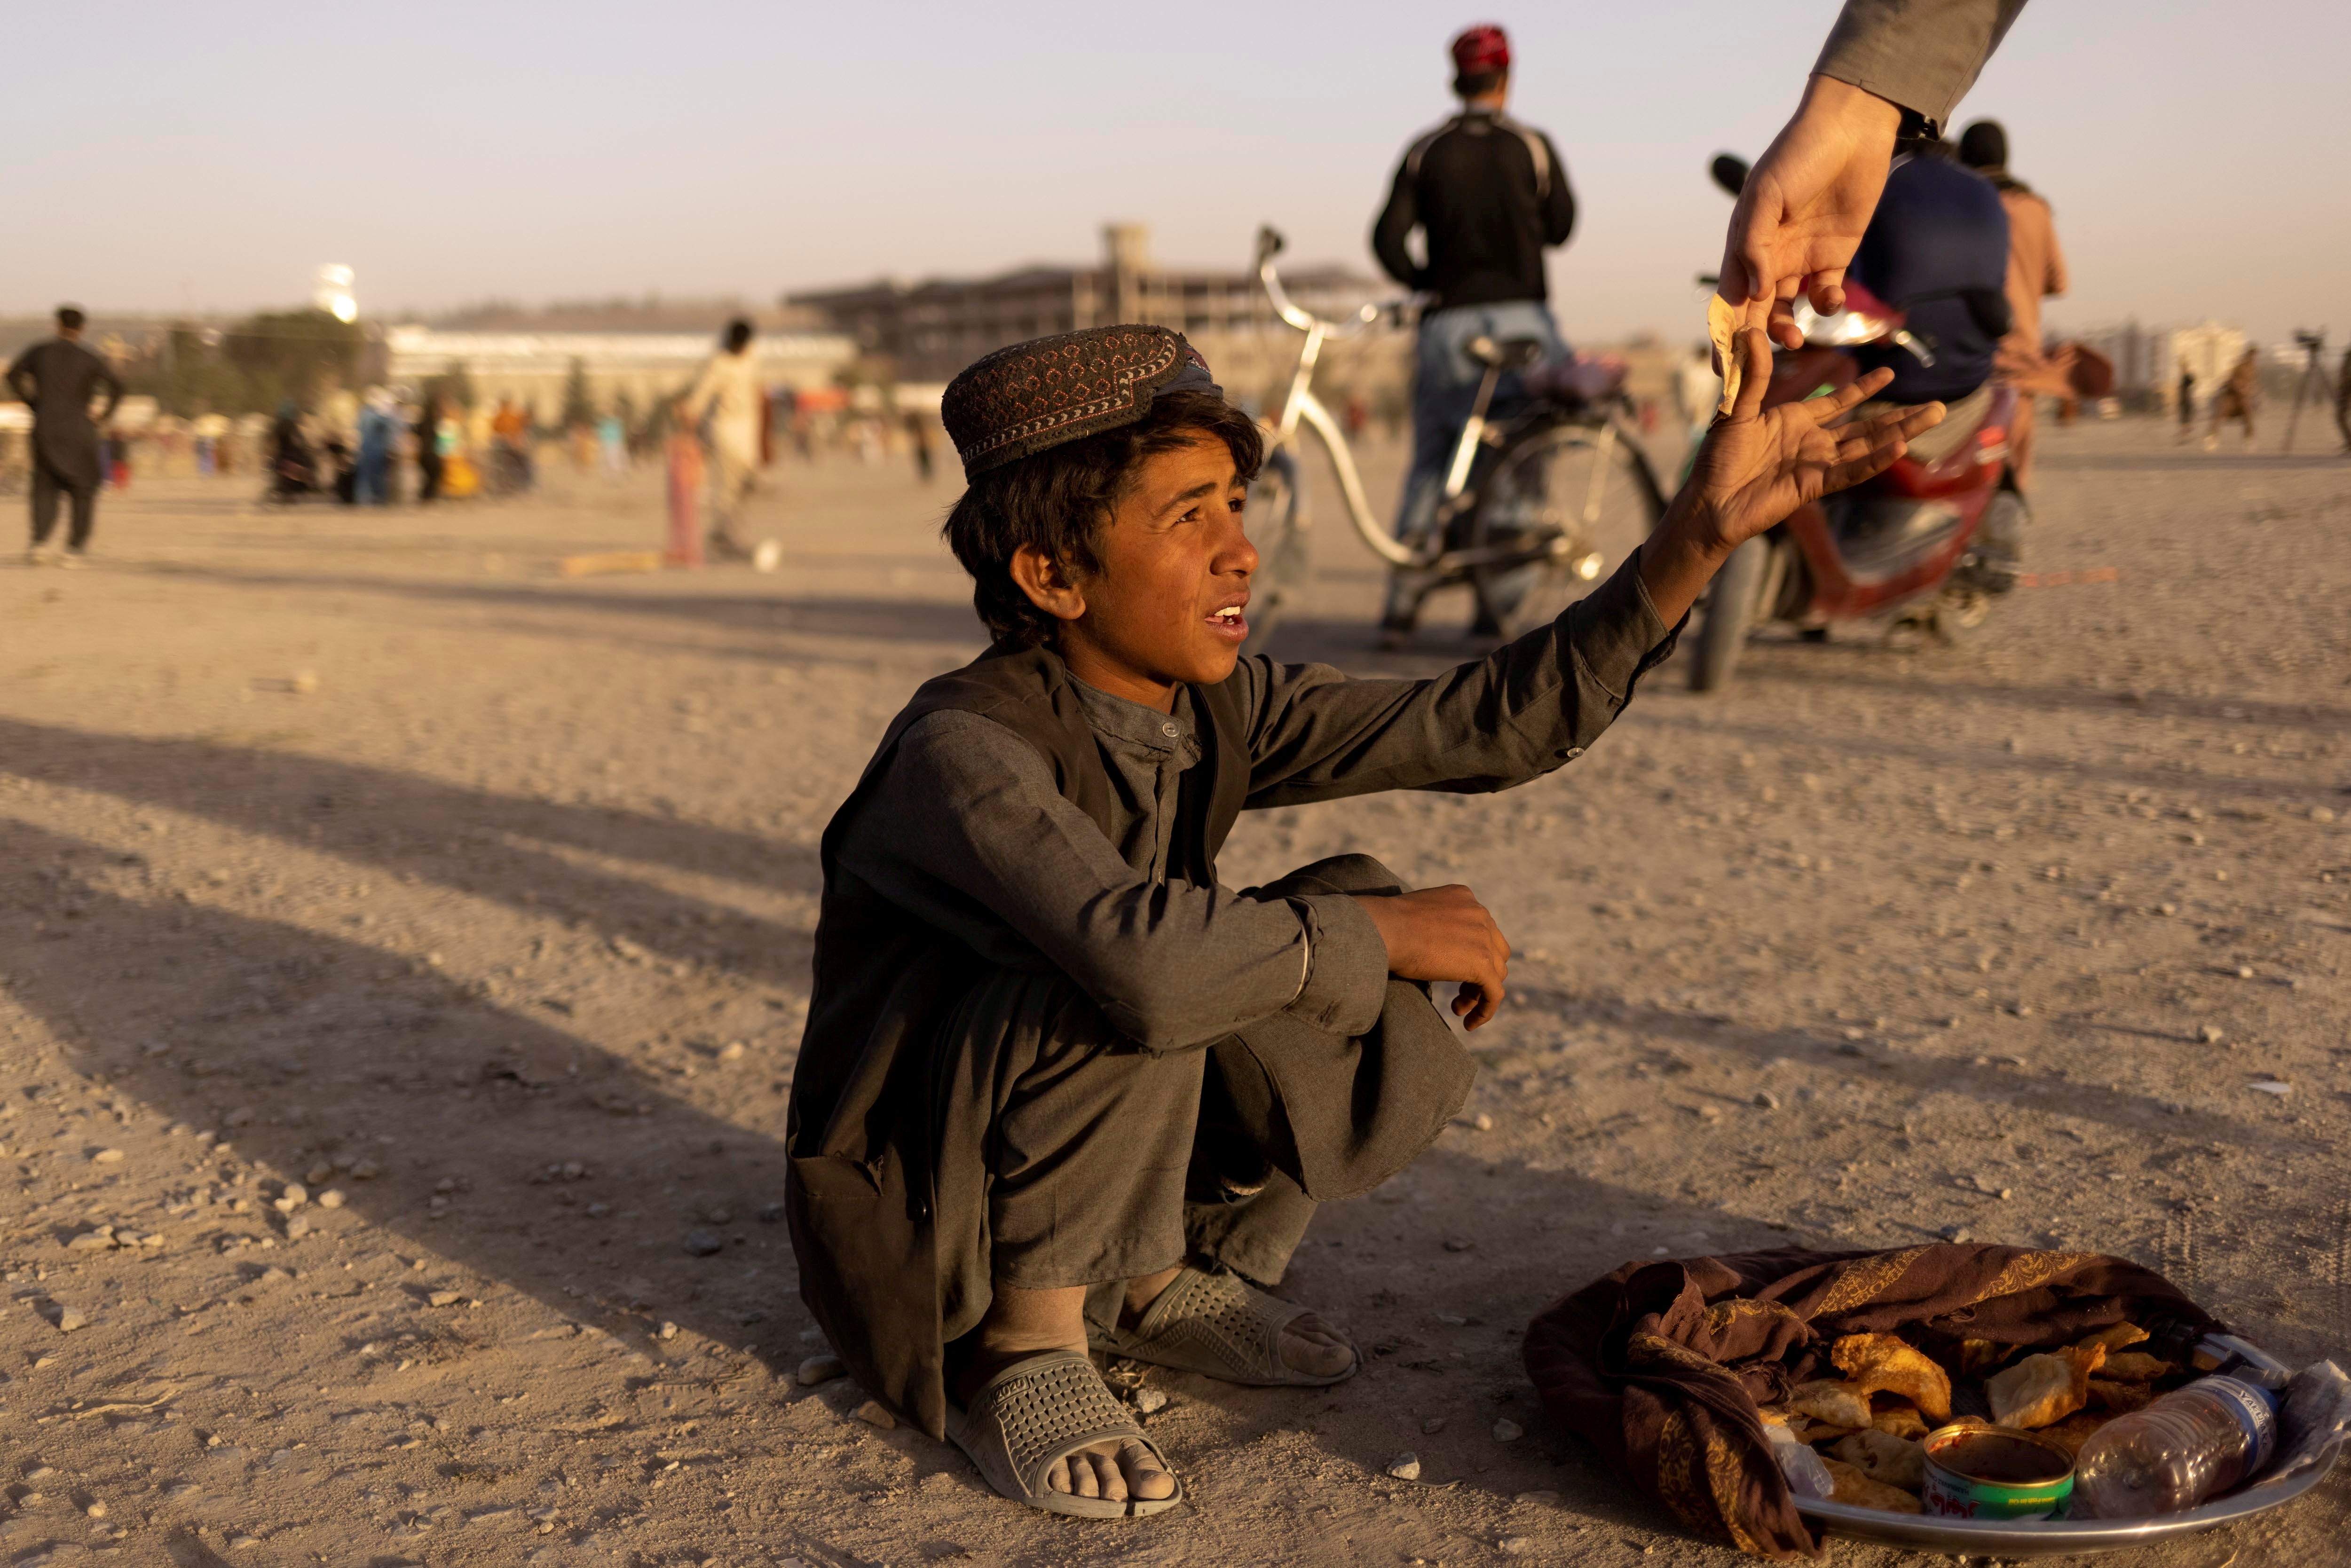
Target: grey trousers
1102,1161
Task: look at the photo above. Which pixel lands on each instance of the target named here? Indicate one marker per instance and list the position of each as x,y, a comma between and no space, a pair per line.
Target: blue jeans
1444,390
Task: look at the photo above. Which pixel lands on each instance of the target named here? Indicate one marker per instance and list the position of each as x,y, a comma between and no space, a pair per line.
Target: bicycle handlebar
1269,245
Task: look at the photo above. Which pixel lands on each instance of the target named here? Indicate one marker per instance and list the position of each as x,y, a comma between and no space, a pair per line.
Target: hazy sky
170,156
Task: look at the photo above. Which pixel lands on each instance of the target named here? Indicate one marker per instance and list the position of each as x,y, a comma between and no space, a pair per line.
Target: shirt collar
1117,719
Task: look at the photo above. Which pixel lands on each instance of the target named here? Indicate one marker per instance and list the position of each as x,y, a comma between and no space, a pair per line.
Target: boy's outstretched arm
1759,466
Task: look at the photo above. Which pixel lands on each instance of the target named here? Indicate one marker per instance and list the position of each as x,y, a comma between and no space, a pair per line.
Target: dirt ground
405,951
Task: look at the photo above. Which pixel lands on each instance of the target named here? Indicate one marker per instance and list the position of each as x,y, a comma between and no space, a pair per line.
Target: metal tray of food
2065,1537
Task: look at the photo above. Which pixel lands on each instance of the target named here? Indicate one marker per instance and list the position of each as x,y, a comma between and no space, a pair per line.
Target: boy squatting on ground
1060,1088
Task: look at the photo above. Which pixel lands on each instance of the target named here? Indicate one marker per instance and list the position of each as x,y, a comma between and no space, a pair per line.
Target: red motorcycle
1931,542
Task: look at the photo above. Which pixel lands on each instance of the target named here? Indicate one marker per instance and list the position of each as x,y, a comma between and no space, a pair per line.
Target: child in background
685,486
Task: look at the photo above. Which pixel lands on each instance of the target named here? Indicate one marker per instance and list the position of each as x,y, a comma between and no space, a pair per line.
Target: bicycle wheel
1275,515
1578,498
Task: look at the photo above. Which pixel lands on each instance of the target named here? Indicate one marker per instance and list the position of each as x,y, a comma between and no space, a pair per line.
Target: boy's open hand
1445,933
1757,465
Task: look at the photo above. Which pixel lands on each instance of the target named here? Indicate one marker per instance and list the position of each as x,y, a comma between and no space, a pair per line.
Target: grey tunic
1920,54
1013,982
967,832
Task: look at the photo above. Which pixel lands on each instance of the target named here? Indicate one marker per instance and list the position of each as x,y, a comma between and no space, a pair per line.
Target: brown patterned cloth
1035,395
1662,1365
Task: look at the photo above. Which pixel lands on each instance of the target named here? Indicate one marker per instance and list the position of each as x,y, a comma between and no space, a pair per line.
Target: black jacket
1487,195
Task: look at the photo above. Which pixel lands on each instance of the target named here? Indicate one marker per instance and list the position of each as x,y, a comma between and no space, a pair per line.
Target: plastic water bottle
2186,1446
1807,1472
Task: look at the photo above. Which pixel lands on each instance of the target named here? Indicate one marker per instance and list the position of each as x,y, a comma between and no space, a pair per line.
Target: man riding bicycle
1489,195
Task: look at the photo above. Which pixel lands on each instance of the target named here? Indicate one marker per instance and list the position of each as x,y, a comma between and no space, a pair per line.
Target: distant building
929,331
533,368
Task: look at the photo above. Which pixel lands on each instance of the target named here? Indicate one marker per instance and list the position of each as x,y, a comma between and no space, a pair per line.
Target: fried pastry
1981,1357
2076,1429
1882,1363
1900,1422
2135,1366
1883,1458
2043,1389
1832,1403
2122,1399
1853,1486
2113,1336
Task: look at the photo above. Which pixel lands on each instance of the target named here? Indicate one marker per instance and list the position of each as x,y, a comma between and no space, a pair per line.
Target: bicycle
1538,502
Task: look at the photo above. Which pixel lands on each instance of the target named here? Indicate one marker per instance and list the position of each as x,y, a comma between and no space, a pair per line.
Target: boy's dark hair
738,332
69,318
1476,84
1058,500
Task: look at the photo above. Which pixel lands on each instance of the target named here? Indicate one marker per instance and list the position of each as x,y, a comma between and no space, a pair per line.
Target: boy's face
1166,606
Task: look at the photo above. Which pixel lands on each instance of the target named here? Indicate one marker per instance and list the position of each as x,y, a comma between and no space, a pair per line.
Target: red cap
1484,48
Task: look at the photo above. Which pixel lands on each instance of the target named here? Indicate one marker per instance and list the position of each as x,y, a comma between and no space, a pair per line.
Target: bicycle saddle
1510,354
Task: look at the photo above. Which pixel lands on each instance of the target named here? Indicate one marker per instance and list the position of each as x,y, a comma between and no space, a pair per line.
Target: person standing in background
728,392
510,433
56,378
2187,404
379,427
683,452
1489,195
2343,399
612,442
2237,397
2036,271
918,436
428,448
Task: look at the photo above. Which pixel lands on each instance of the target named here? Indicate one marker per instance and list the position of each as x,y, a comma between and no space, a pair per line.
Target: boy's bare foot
1022,1324
1305,1344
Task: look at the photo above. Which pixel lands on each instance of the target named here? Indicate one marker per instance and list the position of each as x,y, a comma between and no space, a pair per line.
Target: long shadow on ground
493,846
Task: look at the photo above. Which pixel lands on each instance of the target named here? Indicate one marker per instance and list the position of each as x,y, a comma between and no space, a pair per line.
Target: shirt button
1169,730
1572,753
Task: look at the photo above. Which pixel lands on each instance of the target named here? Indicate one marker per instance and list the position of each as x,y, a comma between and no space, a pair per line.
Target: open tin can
1995,1472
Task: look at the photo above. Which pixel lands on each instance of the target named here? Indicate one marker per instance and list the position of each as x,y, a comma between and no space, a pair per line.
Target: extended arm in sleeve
1394,226
1920,54
1503,720
113,384
20,377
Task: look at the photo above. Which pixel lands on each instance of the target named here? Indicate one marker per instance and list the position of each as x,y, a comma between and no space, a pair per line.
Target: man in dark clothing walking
56,378
1489,196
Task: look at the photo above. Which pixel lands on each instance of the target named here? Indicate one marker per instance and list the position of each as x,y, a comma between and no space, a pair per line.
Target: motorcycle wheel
1960,610
1580,495
1999,542
1733,604
1275,517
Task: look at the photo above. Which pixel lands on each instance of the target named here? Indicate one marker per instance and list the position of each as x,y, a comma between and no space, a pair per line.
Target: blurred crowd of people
384,445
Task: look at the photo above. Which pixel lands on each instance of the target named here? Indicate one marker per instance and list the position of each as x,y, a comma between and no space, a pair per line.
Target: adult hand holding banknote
1758,464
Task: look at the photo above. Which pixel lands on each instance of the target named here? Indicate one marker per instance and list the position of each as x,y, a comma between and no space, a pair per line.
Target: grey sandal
1042,1409
1220,1326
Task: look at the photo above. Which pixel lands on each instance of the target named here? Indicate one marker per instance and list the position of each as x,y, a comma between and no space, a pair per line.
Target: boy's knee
1338,874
